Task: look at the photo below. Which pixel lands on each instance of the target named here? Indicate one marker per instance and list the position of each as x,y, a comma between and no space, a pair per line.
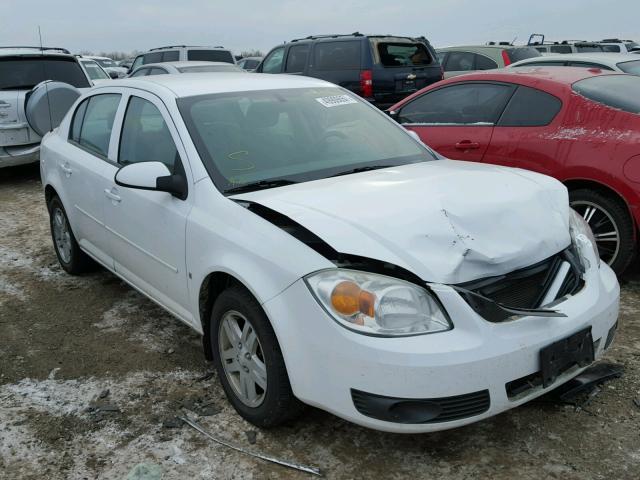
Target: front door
457,120
147,228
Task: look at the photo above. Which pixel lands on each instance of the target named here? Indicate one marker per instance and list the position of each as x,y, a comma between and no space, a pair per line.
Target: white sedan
617,62
185,67
326,256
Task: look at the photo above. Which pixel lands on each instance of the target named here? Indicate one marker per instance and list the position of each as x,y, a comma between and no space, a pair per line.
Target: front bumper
19,155
327,363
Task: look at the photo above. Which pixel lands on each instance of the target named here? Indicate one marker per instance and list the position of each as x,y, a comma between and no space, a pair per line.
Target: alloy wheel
604,228
62,235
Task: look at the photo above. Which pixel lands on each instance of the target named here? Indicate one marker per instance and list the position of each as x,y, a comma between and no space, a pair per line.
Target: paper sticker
336,100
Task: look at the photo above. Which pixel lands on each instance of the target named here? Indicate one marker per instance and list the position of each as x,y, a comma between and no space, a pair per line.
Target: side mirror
114,75
154,176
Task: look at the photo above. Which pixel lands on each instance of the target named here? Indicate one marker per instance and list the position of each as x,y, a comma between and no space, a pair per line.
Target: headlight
376,304
579,226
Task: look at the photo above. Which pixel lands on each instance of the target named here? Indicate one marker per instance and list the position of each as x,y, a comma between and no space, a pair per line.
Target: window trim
84,147
513,87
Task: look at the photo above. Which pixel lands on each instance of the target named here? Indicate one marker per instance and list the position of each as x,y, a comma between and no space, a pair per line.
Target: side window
157,71
485,63
153,57
95,132
541,49
141,72
529,107
442,57
464,104
560,49
589,65
171,56
273,63
76,123
611,48
145,136
460,62
337,55
297,59
137,62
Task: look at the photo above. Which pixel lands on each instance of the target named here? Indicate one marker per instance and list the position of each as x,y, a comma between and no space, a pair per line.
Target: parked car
183,53
94,71
382,69
537,41
615,45
459,60
184,67
325,254
22,68
249,63
618,62
109,65
578,125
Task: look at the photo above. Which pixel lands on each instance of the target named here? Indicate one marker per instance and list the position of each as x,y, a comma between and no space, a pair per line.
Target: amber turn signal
348,299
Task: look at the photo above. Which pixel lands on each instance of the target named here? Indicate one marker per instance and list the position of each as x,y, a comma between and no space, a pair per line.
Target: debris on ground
267,458
251,436
173,422
201,406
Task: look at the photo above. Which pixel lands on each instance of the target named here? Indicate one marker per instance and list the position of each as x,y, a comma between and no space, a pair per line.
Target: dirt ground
66,342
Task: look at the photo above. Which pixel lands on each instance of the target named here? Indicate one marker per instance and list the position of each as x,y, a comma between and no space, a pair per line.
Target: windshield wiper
362,169
261,185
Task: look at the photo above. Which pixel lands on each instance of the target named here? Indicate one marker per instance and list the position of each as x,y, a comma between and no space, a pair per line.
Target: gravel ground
91,374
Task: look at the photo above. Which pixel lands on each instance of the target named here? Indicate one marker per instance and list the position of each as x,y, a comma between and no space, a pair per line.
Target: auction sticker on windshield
336,100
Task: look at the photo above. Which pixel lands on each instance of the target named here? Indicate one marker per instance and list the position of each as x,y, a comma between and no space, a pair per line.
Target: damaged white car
327,257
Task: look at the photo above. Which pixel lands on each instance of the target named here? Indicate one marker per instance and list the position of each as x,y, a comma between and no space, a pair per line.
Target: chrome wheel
61,235
242,358
604,228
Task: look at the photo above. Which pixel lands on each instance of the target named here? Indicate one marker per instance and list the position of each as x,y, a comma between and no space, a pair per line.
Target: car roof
191,84
97,57
34,51
603,57
559,76
196,47
185,63
475,47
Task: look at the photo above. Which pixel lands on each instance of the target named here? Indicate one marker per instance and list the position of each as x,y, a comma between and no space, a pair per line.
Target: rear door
297,59
458,63
523,136
457,120
401,67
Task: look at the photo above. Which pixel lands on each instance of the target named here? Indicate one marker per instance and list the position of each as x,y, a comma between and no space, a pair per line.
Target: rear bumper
19,155
339,370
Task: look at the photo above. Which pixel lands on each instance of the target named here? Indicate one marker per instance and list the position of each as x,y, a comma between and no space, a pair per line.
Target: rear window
630,67
560,49
94,71
211,56
337,55
403,54
517,54
616,91
26,72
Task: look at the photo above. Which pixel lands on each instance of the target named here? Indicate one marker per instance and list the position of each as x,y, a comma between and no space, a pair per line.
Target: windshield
293,135
211,68
630,67
94,71
106,62
18,73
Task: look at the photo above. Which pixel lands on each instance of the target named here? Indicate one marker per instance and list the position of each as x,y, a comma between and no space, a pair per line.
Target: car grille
524,289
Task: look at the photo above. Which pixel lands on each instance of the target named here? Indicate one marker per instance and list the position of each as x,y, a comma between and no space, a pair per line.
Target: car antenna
46,86
514,40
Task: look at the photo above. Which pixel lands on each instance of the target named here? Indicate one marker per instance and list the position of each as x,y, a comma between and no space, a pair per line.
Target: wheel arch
49,193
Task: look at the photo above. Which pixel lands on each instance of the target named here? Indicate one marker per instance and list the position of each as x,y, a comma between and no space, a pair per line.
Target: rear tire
239,361
611,223
72,259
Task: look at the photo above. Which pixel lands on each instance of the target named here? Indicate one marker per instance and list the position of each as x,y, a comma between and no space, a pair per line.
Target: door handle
467,145
112,196
65,168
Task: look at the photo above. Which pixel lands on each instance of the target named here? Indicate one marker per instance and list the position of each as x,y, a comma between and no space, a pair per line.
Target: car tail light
366,83
505,57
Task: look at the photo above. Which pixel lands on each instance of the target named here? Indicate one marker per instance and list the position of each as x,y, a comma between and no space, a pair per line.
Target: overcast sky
126,25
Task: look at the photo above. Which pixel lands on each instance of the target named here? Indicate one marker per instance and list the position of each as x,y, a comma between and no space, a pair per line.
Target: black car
381,68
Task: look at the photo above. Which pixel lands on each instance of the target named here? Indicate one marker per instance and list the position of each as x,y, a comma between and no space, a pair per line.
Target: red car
581,126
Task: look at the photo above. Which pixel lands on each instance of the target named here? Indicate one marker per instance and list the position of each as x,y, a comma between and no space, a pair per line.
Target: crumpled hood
446,221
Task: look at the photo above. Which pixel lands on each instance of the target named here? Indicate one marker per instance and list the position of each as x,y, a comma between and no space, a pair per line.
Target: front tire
72,259
611,224
249,361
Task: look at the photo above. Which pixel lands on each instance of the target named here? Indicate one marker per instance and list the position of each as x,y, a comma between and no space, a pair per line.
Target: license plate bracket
560,356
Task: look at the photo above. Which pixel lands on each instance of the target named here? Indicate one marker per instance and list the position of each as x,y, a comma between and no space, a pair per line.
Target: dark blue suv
381,68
